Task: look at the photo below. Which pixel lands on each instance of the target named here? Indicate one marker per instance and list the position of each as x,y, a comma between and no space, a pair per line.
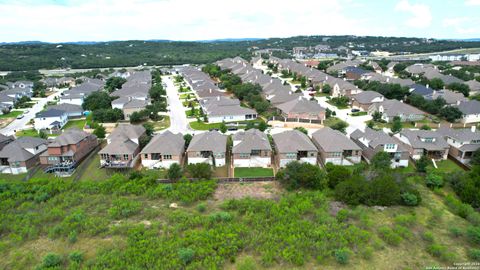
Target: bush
342,215
201,207
436,250
428,236
247,263
76,256
174,172
409,199
51,260
200,170
422,164
389,236
455,231
342,255
434,181
406,220
473,234
123,208
186,255
337,174
302,175
72,237
474,254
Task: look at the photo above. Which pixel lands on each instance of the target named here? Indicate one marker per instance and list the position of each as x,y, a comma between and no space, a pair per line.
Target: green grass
161,125
206,126
339,106
444,166
11,114
27,132
358,113
253,172
196,113
91,171
187,103
12,177
75,124
185,96
332,121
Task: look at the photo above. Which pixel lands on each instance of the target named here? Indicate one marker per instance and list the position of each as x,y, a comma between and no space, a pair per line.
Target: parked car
355,110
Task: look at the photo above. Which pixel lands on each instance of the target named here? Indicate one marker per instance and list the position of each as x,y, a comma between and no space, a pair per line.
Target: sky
106,20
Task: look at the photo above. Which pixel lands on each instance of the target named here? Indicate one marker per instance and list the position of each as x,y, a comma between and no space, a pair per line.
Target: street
20,124
178,119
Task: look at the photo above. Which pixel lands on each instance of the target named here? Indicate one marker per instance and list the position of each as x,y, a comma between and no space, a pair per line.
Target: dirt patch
258,190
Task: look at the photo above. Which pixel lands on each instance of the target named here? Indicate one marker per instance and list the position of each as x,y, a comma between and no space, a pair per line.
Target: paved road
178,119
20,124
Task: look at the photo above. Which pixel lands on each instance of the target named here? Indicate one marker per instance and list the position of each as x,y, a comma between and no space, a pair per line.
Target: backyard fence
225,179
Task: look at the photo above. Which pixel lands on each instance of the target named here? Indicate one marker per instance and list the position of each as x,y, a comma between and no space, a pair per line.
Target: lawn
206,126
89,170
194,114
11,114
162,124
186,96
187,103
75,124
358,113
27,132
444,166
253,172
332,121
12,177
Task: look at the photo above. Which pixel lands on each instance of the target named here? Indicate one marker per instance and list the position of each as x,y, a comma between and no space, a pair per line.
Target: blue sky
100,20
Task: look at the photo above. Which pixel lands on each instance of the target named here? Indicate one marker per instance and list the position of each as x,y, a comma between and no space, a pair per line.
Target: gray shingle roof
127,131
120,147
462,135
66,107
208,141
166,143
469,107
292,141
366,96
331,140
415,138
301,105
375,137
70,136
50,113
252,139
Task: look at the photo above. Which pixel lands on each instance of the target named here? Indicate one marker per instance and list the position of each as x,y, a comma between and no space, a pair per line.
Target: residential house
129,105
424,142
251,148
123,146
364,100
463,142
354,73
50,119
390,108
470,110
77,94
334,147
72,110
21,155
67,150
208,147
474,86
163,150
223,109
294,145
302,108
375,141
4,140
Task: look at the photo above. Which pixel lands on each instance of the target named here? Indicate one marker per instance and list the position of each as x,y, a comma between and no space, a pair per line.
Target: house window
475,141
291,155
244,155
145,156
312,154
390,146
167,156
336,154
125,157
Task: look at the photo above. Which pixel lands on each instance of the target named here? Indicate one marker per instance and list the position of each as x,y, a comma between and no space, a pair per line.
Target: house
219,109
334,147
208,147
4,140
72,110
302,108
50,119
419,89
68,149
251,148
354,73
21,155
390,108
163,150
375,141
129,105
470,110
424,142
450,97
474,86
294,145
123,146
364,100
77,94
463,142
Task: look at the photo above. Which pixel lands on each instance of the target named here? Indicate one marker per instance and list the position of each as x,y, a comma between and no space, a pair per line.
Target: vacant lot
258,190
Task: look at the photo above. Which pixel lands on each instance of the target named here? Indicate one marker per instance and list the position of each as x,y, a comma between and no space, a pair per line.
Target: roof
50,113
16,150
127,131
67,107
120,147
374,137
208,141
463,135
469,107
293,141
367,96
474,85
331,140
415,139
252,139
70,136
420,89
166,143
393,107
301,105
355,70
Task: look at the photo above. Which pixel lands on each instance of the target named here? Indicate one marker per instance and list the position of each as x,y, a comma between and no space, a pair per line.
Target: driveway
178,119
20,124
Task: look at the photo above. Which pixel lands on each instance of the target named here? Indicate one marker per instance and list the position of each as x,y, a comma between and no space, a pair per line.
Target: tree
174,172
137,117
422,164
381,161
475,158
99,131
223,127
249,125
302,129
149,129
336,174
436,83
352,190
383,190
302,175
42,135
97,100
188,138
396,124
460,87
114,83
434,180
200,170
377,116
326,89
340,126
451,114
262,126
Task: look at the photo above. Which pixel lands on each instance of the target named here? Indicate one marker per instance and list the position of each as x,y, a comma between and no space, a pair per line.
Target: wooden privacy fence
225,179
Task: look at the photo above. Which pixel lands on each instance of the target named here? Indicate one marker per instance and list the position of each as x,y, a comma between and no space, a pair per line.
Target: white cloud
175,19
421,16
463,25
472,2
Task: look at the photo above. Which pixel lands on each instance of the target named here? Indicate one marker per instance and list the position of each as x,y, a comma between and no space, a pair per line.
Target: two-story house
123,146
163,150
294,145
334,147
251,148
208,147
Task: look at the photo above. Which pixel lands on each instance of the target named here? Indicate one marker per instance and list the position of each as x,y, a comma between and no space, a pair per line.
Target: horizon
108,20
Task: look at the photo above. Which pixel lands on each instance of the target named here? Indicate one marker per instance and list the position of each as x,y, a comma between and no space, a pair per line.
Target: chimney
271,80
388,79
474,128
210,91
428,86
218,97
290,92
300,98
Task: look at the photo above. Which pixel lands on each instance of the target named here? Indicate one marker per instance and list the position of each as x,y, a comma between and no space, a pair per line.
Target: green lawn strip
11,114
253,172
27,132
75,124
444,166
207,126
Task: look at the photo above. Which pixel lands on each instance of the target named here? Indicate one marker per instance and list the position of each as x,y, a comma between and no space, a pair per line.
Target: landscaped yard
444,166
162,124
206,126
253,172
194,114
11,114
187,103
27,132
358,113
75,124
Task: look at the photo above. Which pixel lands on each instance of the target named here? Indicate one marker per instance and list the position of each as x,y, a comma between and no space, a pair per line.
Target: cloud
421,16
463,25
74,20
472,2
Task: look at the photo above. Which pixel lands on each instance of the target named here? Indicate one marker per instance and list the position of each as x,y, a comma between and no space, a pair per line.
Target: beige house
334,147
294,145
163,150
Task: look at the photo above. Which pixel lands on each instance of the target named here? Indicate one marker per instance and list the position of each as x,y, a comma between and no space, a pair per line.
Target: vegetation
253,172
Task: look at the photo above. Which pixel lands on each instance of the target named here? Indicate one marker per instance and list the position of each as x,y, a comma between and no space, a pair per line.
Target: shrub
422,164
247,263
367,253
434,181
200,170
437,250
220,216
409,199
302,175
474,254
406,220
473,234
201,207
389,236
76,256
337,174
123,208
342,215
342,255
72,237
186,255
174,172
51,260
428,236
455,231
403,231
